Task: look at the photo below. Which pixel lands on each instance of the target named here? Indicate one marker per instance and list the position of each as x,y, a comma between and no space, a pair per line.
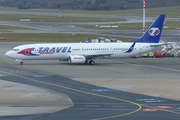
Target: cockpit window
15,49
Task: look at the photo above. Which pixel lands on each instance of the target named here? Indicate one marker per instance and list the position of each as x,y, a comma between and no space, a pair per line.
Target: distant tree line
86,4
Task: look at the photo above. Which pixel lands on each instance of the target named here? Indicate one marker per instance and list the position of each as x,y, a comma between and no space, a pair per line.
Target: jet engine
77,59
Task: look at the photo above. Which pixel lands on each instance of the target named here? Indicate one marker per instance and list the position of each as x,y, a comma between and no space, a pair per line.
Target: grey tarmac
111,89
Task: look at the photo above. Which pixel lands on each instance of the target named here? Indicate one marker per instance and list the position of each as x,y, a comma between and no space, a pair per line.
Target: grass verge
14,37
37,18
172,11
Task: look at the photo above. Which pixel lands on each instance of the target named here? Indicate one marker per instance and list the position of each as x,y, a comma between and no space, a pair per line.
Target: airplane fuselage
63,51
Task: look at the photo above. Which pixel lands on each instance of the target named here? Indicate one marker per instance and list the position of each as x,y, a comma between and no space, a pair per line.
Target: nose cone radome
9,54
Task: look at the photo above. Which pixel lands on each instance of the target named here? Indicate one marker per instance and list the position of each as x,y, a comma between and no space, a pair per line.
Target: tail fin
87,40
153,33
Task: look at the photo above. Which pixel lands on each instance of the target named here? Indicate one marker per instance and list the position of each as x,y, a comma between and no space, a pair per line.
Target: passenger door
111,50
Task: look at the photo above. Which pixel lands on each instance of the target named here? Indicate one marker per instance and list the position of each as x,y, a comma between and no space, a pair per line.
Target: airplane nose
9,54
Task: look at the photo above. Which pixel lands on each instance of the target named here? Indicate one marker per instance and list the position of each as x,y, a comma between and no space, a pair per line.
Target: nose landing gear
21,63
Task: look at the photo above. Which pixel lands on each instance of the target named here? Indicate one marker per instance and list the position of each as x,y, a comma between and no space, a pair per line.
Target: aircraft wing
97,55
94,56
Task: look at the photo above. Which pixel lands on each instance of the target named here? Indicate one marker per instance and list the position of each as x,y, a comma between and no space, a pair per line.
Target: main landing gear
90,62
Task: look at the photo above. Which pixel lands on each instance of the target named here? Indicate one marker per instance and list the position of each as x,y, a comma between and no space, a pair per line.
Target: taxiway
112,89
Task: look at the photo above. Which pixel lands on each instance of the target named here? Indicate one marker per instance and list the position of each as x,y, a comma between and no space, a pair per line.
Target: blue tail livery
131,48
87,40
153,33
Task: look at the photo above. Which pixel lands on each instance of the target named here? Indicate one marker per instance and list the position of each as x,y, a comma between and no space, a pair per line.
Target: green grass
14,37
172,11
31,10
4,27
37,18
136,26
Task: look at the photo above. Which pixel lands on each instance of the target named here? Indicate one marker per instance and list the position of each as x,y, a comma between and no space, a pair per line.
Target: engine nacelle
77,59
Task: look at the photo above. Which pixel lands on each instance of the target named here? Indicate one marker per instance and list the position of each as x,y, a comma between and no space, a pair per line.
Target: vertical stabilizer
87,40
153,34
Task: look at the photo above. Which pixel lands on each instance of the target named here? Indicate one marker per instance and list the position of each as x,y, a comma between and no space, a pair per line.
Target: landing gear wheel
91,62
21,63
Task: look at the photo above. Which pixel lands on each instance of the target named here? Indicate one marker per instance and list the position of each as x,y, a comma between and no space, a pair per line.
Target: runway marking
151,67
150,110
19,71
164,107
165,110
40,76
94,94
2,75
24,26
148,66
89,93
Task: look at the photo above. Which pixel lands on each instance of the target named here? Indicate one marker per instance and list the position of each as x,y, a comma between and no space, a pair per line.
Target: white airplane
86,53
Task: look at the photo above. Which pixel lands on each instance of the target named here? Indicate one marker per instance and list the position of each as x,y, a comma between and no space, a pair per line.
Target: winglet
153,34
87,40
131,48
